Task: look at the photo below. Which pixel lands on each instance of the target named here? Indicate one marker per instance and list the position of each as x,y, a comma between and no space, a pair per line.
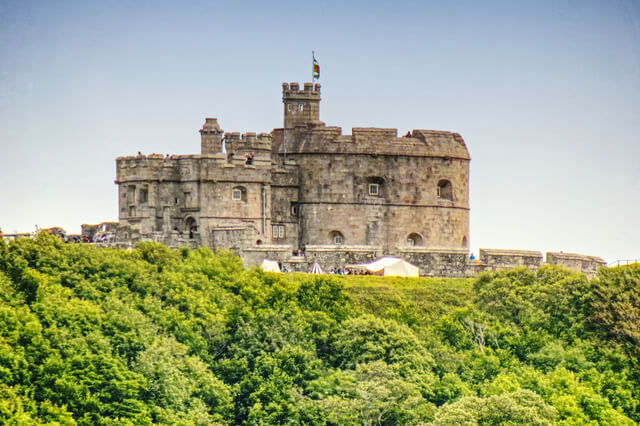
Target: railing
624,262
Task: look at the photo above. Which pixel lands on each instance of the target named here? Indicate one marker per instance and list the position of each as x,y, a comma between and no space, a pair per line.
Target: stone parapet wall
588,265
339,256
437,262
253,256
491,259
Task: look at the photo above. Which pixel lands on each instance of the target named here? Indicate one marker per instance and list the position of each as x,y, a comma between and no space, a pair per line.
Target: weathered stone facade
306,192
304,187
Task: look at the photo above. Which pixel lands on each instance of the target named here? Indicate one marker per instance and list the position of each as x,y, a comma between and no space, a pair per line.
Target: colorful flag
316,69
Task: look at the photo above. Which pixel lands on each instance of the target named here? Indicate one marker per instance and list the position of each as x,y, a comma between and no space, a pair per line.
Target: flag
316,69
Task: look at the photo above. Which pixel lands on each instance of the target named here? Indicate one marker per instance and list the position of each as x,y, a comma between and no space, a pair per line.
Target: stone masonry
307,192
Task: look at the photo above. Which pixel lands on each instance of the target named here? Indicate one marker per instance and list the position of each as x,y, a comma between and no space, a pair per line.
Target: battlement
292,91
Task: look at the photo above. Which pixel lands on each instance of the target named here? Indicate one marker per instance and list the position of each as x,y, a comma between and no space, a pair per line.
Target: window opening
373,189
278,231
414,239
336,237
445,190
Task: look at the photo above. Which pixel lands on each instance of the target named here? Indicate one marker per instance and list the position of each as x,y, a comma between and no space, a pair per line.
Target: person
472,257
408,135
284,269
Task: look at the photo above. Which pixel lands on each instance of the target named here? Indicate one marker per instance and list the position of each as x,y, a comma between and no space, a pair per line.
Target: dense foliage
152,335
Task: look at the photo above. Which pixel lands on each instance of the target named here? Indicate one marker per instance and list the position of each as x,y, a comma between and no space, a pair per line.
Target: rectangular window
236,195
144,195
410,242
373,189
132,211
187,199
338,239
131,194
278,231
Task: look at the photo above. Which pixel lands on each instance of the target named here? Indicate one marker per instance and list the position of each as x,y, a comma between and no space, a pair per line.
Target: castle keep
306,192
303,188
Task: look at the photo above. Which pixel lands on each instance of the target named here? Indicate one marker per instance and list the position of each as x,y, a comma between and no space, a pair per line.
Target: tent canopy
315,268
270,266
391,266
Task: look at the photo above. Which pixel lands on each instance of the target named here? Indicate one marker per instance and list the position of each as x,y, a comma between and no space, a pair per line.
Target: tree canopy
105,336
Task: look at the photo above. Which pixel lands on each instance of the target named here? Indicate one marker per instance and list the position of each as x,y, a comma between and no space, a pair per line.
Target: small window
132,211
295,209
239,193
414,239
464,241
289,107
375,186
187,199
336,237
278,231
300,107
131,194
445,190
144,195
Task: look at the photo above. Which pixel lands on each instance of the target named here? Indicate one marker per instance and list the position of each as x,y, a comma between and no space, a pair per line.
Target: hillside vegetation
104,336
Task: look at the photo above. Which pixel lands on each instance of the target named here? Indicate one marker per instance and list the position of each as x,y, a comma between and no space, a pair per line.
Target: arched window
239,193
190,224
414,240
445,190
336,237
464,241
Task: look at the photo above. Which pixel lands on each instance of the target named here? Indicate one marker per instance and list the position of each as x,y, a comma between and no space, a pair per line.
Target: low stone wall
492,259
588,265
253,256
332,256
437,262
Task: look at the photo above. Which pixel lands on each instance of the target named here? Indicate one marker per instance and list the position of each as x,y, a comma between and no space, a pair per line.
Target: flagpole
313,64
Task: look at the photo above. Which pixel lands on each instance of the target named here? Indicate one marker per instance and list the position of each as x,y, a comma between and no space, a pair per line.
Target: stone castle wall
307,187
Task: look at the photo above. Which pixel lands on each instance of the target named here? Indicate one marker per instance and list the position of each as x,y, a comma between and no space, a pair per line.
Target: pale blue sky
545,93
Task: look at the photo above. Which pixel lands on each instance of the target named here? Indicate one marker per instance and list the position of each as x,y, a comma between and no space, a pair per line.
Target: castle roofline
382,141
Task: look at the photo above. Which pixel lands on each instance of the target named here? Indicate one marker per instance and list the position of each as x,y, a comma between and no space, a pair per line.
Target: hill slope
105,336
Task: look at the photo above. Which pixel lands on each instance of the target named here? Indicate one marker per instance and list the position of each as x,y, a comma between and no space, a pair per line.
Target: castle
306,192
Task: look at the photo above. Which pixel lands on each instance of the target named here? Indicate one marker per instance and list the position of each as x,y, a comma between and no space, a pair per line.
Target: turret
301,107
211,137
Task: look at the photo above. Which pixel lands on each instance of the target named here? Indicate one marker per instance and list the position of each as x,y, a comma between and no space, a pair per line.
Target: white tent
392,266
270,266
316,269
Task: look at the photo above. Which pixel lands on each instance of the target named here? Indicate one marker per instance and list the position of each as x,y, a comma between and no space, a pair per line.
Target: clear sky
546,95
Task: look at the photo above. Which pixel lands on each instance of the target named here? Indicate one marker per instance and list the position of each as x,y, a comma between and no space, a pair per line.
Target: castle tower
210,137
301,107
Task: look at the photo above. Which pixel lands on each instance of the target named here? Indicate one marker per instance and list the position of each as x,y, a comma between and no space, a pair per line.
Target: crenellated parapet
301,107
380,141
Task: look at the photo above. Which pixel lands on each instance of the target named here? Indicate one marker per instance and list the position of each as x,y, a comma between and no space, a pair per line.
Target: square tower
301,107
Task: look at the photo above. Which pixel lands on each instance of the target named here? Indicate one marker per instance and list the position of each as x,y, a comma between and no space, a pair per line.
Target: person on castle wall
249,158
408,135
139,154
472,257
